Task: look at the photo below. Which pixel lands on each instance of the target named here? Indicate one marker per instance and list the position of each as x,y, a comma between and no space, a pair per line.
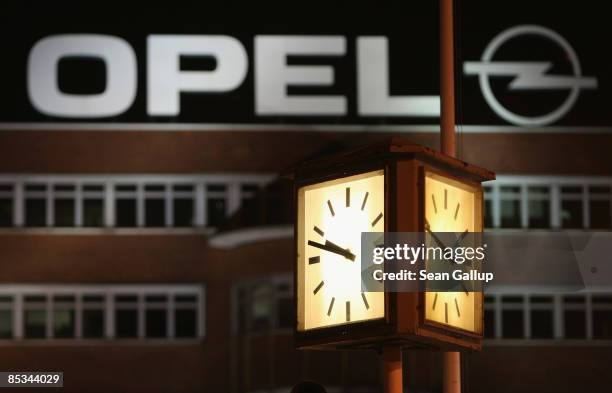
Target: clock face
453,206
331,217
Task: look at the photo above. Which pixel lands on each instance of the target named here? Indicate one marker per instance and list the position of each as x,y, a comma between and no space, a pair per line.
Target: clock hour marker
348,196
313,260
319,231
457,307
348,311
446,312
318,288
435,301
457,210
380,215
365,301
445,198
433,199
365,199
331,306
331,208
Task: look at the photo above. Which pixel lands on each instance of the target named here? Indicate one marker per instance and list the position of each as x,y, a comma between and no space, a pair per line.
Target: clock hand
457,242
436,239
345,251
460,238
333,248
440,243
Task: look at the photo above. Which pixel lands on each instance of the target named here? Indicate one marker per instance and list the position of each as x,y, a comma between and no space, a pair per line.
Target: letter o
121,75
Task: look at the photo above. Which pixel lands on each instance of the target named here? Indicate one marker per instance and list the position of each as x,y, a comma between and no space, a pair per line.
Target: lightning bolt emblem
529,75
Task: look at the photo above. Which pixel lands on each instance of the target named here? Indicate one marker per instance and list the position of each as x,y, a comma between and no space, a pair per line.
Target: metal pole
452,373
392,369
452,360
447,79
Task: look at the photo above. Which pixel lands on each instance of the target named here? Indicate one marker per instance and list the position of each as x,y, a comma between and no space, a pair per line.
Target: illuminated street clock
332,215
393,186
453,206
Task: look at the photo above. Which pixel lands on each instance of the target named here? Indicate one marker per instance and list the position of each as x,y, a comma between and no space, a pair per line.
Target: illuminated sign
166,81
529,75
374,70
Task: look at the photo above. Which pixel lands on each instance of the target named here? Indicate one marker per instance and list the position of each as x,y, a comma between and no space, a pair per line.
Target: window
216,204
574,317
264,305
571,316
129,201
600,207
35,317
35,205
85,312
570,202
255,309
182,205
156,316
541,318
185,316
539,207
155,206
63,316
571,207
6,317
602,316
510,207
125,206
64,198
126,316
93,316
251,207
512,317
93,205
6,205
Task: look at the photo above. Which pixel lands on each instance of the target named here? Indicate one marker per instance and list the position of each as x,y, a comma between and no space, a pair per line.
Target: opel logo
529,75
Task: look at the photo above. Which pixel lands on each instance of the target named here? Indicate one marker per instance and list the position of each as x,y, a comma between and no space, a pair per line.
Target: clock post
386,187
451,360
392,369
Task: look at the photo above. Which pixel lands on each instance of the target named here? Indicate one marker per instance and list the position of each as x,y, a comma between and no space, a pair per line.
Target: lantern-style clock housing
395,186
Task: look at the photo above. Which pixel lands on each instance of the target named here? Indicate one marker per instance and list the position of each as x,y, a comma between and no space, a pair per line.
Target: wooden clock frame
404,323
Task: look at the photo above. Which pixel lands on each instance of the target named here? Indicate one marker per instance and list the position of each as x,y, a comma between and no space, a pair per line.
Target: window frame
554,183
18,308
558,308
109,195
8,194
273,281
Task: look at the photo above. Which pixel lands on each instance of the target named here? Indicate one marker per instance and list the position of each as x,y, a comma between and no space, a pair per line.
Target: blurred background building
146,240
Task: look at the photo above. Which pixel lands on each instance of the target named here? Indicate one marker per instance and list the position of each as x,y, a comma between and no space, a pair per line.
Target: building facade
125,273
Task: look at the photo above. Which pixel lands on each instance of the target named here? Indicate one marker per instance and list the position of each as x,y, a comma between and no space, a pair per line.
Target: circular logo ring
497,107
